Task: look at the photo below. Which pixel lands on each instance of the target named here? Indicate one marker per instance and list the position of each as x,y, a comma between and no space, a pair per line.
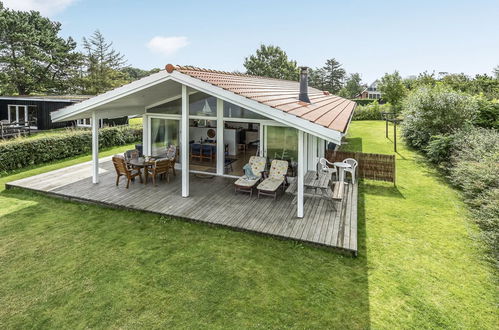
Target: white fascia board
108,113
121,112
138,85
262,109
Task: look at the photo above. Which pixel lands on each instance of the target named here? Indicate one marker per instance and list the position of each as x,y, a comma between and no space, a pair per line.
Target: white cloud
45,7
167,45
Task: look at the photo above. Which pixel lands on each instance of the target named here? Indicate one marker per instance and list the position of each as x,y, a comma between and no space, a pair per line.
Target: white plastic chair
325,168
352,169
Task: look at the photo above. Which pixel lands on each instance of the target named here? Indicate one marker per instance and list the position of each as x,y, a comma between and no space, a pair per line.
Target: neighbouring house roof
373,84
327,110
48,98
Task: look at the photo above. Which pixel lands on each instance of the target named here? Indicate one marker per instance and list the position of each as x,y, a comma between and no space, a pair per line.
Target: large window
23,114
163,133
12,115
282,143
173,108
201,104
85,122
234,111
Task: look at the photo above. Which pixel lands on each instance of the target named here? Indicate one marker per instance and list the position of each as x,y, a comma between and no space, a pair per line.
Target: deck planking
212,200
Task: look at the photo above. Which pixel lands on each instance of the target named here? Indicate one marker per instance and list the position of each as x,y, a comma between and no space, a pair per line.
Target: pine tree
334,75
103,65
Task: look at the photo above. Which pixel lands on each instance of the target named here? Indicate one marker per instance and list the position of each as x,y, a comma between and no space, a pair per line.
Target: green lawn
66,265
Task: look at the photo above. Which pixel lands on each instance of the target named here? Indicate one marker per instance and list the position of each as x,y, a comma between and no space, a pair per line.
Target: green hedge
72,142
474,169
371,112
364,101
470,157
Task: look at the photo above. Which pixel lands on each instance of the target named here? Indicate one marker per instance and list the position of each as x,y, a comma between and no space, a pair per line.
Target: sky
368,37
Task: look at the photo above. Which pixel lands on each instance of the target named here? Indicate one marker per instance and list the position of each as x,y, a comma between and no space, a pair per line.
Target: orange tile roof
328,110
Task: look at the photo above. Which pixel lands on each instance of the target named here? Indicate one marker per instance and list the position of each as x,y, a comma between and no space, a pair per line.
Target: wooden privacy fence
371,166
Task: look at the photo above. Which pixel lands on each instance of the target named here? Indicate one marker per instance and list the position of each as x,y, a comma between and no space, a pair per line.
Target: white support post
184,155
314,159
301,163
95,148
262,137
321,148
311,152
220,137
305,152
145,136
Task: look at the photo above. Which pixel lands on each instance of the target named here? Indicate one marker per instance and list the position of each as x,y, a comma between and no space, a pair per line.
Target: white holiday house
180,105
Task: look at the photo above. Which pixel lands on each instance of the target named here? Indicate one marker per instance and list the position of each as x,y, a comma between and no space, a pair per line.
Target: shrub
439,149
475,163
364,101
432,111
487,212
475,160
371,112
72,142
488,113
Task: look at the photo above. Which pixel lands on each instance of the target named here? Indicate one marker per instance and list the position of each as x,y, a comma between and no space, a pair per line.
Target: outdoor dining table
141,163
341,169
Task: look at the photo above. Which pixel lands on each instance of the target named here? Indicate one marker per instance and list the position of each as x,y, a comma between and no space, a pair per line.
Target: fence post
395,135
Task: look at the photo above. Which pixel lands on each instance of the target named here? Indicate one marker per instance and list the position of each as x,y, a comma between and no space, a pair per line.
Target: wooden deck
212,200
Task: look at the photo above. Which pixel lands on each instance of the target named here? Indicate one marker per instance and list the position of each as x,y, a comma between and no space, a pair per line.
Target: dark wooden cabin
37,109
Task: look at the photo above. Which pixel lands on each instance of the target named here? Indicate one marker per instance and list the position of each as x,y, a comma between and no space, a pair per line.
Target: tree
486,85
317,78
136,73
103,65
458,82
353,86
334,75
426,79
392,89
496,72
32,55
271,61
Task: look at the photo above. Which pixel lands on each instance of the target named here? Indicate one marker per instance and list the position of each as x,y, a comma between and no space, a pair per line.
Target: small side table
341,168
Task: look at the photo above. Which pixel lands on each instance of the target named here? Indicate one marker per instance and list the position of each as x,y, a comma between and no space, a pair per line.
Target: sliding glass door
281,143
163,132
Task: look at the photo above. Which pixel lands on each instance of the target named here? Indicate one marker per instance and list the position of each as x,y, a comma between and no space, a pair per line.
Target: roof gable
327,116
327,110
